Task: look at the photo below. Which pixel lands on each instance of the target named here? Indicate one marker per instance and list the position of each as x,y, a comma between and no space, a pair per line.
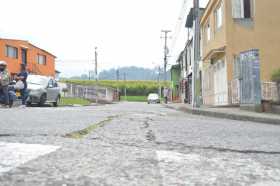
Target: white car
42,89
153,98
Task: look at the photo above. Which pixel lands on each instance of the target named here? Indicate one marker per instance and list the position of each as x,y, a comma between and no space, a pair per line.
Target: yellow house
240,47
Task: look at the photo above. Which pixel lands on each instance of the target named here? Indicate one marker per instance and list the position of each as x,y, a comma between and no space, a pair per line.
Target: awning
215,52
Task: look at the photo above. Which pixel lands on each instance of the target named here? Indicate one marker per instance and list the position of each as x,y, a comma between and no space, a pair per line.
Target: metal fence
269,91
92,93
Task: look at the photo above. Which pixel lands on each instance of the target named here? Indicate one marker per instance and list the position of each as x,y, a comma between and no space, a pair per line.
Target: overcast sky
126,32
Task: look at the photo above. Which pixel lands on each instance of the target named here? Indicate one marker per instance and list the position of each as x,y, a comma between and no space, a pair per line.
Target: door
250,84
220,83
52,91
24,56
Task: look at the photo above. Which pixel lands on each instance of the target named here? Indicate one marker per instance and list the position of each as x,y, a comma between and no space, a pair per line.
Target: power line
179,24
74,61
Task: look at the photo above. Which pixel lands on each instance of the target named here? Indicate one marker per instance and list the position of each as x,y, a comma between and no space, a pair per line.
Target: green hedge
133,88
276,76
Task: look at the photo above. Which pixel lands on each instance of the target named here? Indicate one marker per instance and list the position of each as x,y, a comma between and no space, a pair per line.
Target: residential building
186,60
175,82
240,51
17,52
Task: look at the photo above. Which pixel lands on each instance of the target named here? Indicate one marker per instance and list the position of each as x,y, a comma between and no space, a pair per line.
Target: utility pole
159,87
196,80
124,79
96,72
118,74
158,78
124,76
165,52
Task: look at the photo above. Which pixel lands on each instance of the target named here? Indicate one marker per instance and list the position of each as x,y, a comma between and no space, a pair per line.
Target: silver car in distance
153,98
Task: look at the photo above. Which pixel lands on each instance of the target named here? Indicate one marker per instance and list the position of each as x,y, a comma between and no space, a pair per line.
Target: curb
227,115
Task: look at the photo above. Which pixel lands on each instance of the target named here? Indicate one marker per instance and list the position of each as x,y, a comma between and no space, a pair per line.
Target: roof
214,52
190,18
29,44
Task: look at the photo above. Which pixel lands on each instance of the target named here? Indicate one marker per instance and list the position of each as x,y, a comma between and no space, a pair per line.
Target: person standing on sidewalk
165,94
4,82
22,76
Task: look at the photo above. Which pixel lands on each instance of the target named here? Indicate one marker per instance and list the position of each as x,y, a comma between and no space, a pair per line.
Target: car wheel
43,99
55,104
28,103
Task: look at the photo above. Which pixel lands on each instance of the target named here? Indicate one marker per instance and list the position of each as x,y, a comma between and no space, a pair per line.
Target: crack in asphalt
83,132
219,149
24,135
150,136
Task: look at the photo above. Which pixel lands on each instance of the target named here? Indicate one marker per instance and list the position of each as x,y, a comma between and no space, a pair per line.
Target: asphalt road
133,144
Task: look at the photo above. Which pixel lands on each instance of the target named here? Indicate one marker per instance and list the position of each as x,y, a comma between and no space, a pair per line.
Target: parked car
153,98
42,90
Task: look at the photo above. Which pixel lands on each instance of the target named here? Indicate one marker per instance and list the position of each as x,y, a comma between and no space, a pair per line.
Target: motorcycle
11,96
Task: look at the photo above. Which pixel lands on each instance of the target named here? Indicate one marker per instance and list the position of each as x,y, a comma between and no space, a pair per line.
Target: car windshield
37,80
153,96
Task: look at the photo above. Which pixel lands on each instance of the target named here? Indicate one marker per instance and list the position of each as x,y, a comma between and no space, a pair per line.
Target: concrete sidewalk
233,113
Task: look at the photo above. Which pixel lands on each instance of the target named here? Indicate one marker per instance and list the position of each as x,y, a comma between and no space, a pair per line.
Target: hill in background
129,73
132,73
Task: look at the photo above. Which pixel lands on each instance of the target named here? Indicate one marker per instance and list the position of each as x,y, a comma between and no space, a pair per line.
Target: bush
276,76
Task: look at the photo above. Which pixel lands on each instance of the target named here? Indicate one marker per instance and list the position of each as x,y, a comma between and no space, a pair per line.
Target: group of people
5,80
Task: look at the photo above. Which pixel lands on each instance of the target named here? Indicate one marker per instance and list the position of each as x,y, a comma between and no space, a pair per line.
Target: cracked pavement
141,145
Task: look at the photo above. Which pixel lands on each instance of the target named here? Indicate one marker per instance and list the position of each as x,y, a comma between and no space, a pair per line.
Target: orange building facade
17,52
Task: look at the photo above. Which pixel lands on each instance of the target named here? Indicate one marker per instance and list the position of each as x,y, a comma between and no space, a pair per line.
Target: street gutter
226,115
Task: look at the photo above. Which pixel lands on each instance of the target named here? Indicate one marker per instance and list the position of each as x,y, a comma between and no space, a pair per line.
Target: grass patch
134,98
82,133
74,101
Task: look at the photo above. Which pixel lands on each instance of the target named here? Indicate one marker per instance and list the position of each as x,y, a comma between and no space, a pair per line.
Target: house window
247,8
242,9
41,59
11,51
219,16
208,31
